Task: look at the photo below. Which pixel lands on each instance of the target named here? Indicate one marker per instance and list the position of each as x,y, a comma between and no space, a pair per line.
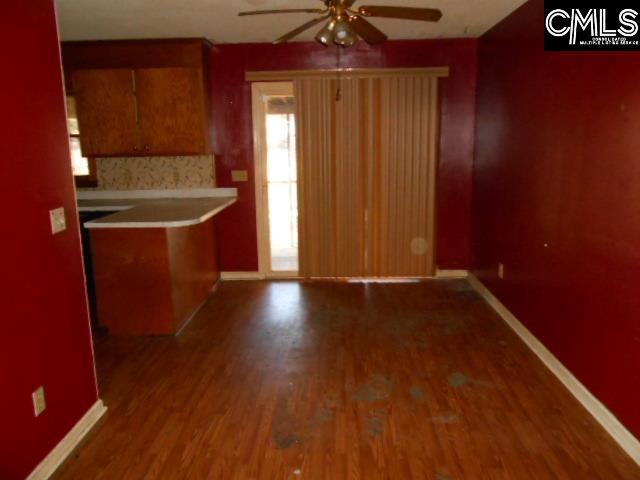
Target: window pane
281,147
79,163
282,187
72,116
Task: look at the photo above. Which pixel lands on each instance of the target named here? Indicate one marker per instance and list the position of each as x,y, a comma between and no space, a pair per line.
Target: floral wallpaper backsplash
147,173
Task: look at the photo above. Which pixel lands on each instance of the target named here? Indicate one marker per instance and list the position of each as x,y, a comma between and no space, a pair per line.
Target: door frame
260,90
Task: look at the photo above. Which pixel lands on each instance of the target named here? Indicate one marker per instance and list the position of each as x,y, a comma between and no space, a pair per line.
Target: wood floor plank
287,380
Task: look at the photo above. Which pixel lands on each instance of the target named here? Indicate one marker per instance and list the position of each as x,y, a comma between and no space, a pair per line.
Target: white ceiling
217,20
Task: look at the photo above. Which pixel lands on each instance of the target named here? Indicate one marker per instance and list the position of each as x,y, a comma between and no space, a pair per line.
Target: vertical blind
366,169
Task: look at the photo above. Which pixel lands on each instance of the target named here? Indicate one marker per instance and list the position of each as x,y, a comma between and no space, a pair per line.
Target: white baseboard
452,274
611,424
48,466
230,276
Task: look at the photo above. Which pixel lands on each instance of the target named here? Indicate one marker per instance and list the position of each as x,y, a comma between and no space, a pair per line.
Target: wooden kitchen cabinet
106,109
150,281
140,98
171,110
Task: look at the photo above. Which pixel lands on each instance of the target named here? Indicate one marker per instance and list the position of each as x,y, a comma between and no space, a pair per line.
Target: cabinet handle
136,148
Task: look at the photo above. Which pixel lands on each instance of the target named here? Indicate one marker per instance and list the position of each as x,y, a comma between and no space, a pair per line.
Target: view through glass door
275,131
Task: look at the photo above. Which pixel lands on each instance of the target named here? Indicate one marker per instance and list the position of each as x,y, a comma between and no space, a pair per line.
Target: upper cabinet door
171,107
107,112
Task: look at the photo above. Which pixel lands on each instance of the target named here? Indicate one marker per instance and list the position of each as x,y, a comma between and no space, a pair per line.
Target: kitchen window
84,169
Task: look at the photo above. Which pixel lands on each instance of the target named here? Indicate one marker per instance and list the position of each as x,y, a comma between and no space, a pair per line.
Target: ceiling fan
345,25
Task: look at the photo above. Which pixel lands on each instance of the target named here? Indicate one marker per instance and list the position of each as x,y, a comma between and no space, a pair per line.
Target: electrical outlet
501,271
39,402
239,176
58,220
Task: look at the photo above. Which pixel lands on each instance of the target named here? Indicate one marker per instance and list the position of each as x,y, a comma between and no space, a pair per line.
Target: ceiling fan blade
366,30
405,13
300,29
292,10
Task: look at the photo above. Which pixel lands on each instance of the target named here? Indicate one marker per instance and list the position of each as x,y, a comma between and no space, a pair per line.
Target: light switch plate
58,220
39,402
239,176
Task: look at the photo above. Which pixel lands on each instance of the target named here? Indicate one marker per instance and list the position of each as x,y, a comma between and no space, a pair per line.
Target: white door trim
260,90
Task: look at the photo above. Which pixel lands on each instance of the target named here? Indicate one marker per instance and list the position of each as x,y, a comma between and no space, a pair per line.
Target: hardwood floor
284,380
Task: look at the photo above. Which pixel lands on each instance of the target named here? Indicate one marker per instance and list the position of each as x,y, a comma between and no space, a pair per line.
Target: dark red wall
557,199
234,131
44,324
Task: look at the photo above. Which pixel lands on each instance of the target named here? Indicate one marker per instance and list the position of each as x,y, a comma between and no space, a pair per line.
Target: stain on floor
442,476
378,387
458,380
290,429
375,423
285,430
323,415
445,419
417,394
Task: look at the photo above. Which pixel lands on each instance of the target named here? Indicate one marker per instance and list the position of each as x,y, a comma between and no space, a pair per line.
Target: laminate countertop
150,212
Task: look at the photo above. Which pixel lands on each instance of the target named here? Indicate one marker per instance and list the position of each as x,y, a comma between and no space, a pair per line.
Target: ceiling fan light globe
343,35
327,34
349,42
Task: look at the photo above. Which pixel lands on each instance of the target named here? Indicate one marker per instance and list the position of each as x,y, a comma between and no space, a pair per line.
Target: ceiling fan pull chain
339,92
